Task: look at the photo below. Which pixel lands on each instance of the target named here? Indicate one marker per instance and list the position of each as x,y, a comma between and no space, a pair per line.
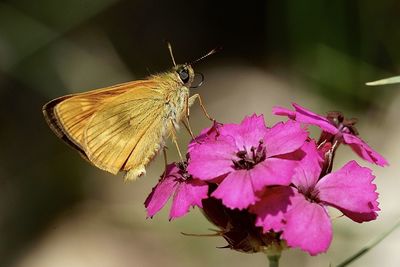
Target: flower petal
281,111
207,134
307,173
162,191
351,190
364,150
248,133
284,138
362,217
272,207
236,190
308,226
304,115
273,171
188,194
212,159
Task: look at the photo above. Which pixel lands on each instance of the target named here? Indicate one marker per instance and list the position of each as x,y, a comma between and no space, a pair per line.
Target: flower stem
369,246
273,253
274,260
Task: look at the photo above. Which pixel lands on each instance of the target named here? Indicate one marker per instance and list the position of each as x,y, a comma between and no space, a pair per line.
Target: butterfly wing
126,133
68,116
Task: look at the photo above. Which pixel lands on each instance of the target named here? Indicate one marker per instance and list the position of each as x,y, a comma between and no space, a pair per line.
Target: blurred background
57,210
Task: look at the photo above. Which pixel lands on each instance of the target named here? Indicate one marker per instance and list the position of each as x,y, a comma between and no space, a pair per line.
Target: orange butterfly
122,127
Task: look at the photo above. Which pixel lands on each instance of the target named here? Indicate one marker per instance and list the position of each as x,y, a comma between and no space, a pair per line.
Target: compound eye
184,75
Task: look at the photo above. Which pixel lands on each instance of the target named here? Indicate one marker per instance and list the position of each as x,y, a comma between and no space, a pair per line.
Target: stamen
182,166
248,159
343,124
311,194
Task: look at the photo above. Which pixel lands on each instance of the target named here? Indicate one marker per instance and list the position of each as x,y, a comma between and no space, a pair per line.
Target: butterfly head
185,73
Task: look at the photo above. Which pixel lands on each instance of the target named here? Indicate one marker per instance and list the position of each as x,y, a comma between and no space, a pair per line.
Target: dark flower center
343,124
248,159
310,193
182,166
333,141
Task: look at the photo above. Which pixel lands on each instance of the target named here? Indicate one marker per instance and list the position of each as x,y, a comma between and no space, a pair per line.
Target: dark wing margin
55,125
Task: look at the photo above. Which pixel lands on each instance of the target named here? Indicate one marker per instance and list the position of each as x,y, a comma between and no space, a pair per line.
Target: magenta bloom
339,129
186,192
299,210
244,158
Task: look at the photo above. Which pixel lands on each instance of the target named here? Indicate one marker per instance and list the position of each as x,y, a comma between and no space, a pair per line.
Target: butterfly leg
191,101
165,156
174,139
188,128
187,122
165,161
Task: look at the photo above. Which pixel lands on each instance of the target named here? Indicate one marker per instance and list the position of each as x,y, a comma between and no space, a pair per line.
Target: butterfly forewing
117,135
68,115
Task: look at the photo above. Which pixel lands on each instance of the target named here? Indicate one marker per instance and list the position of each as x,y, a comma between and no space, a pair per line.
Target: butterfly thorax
174,86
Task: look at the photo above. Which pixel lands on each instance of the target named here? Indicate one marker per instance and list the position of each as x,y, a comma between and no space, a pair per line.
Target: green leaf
391,80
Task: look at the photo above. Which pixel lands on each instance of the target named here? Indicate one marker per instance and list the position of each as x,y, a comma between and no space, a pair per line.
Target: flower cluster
271,186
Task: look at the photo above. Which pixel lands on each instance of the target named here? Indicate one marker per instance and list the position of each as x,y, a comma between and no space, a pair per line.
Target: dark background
333,47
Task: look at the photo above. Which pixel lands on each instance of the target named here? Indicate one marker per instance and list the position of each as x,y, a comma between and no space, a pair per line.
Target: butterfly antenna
171,53
215,50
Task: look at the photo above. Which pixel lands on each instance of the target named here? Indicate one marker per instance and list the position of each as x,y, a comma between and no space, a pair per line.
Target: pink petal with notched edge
248,133
270,210
161,192
364,150
309,168
308,226
188,193
273,171
236,190
213,158
362,217
351,190
207,134
306,116
284,138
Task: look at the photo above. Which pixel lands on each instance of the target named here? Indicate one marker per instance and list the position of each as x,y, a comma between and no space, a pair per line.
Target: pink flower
186,192
205,135
245,158
336,128
299,210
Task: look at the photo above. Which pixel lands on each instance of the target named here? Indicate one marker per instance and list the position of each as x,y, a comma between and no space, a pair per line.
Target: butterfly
122,127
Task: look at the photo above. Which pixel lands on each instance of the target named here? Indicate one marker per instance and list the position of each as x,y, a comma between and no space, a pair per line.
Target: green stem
273,253
369,246
274,260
